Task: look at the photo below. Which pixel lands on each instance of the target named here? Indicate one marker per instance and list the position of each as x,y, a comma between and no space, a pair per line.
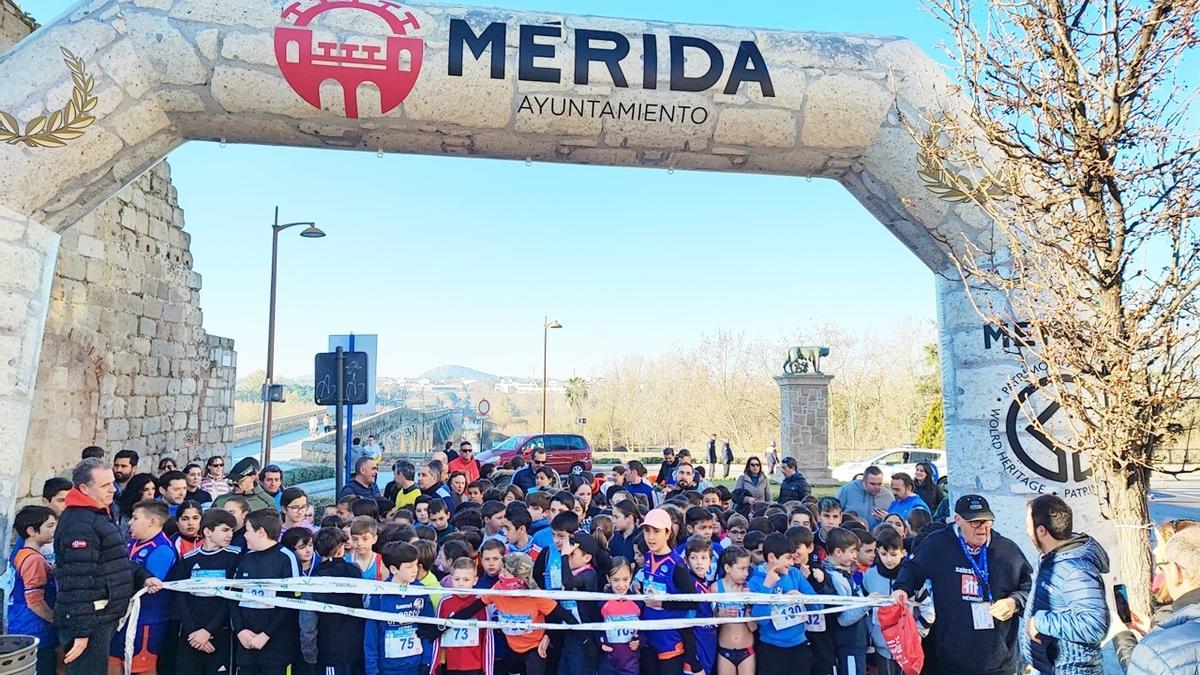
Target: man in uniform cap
980,581
244,479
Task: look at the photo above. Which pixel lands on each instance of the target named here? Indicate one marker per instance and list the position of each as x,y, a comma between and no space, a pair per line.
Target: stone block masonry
14,24
125,361
804,422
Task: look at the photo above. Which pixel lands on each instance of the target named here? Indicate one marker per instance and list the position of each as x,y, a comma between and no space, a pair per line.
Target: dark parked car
564,452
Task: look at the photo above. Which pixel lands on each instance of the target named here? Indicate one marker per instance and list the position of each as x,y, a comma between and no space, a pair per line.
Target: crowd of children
600,533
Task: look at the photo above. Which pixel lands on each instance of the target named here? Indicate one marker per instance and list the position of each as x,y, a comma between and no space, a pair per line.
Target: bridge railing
401,431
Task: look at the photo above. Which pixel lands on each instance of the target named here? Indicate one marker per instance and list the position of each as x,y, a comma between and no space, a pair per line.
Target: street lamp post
547,324
310,232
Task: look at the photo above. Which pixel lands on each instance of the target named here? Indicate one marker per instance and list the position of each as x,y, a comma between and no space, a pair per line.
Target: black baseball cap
245,467
973,507
586,543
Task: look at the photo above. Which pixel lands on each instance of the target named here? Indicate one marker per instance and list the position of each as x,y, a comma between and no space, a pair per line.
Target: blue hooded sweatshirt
783,630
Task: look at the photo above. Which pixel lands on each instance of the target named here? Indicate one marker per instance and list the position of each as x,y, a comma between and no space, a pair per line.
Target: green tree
577,395
249,388
932,433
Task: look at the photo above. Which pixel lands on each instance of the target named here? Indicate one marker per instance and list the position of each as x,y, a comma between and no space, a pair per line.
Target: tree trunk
1126,504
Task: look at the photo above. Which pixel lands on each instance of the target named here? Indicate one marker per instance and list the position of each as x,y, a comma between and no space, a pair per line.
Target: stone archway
96,99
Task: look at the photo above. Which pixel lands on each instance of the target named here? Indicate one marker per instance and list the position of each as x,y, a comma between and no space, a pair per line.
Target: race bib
719,607
788,616
571,606
515,624
815,623
399,643
615,634
253,604
461,637
655,587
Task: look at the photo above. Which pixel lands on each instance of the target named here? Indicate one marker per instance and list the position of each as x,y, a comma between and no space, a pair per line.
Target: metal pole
545,361
266,432
350,458
339,451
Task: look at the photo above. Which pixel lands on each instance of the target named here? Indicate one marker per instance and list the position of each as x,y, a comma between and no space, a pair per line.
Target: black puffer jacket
794,488
95,576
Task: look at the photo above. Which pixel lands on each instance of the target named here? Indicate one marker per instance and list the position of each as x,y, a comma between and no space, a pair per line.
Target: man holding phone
1067,616
866,497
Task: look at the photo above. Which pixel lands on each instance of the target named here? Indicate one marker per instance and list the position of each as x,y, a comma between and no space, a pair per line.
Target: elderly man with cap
981,582
244,481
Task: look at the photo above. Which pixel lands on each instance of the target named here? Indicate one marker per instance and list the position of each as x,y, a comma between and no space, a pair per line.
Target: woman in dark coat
925,484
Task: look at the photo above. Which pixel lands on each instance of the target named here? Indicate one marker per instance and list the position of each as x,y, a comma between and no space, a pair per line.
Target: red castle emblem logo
394,71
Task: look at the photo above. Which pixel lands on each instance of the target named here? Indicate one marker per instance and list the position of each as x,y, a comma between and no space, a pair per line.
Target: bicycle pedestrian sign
354,379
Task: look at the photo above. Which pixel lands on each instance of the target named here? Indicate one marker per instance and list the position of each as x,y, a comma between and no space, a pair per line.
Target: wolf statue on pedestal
804,360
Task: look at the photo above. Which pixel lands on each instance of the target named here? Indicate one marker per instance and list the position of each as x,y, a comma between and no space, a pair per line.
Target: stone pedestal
804,401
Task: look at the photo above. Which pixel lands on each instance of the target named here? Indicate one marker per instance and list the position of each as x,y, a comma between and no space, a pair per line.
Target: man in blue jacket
1067,616
904,498
1174,648
782,646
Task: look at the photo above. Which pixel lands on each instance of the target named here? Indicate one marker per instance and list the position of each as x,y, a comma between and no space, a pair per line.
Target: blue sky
455,260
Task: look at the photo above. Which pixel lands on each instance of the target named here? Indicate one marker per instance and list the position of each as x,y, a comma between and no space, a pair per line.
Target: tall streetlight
310,231
547,324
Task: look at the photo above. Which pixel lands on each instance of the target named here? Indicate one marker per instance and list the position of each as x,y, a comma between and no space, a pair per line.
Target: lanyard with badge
981,613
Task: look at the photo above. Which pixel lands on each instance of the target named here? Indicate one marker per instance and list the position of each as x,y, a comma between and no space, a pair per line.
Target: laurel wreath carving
54,130
953,187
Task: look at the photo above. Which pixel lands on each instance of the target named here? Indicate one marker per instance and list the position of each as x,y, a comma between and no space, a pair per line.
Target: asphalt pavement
1172,498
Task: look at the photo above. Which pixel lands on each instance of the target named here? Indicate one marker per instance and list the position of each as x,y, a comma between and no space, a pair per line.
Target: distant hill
442,373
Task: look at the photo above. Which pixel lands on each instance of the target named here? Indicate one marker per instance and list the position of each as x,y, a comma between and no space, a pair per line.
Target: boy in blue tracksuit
150,548
851,634
782,645
399,647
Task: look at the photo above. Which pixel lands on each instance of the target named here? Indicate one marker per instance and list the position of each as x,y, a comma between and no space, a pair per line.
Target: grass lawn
818,491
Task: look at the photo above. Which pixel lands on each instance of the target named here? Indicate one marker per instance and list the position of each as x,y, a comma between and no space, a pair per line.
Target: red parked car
565,453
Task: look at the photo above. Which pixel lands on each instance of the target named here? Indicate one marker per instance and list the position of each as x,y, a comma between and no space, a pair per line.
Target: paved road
1171,498
279,442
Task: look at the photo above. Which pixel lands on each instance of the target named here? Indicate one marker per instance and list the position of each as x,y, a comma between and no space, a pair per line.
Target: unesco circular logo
1032,446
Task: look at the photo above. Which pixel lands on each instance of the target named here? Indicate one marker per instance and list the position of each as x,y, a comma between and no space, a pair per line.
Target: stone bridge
402,432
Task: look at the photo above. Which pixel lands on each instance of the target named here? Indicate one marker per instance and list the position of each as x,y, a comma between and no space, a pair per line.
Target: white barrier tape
223,588
366,587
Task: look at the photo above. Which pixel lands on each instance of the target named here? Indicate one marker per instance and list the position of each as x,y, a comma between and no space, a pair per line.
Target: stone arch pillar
28,251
